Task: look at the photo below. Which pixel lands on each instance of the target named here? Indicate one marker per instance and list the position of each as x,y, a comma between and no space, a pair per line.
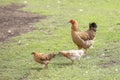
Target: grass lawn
54,34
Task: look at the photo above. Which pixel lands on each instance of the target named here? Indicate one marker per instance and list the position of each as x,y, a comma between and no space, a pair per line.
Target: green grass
53,35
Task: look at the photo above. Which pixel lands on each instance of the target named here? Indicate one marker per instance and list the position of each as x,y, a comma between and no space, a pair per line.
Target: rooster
83,39
43,58
72,54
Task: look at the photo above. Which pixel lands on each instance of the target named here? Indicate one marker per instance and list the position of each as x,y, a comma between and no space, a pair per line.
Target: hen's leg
46,66
72,61
86,52
79,60
79,47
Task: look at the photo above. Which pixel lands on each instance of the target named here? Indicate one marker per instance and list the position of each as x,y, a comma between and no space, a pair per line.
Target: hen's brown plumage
43,58
83,39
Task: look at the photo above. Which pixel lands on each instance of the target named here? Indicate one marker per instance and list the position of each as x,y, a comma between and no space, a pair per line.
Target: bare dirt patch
107,58
108,64
14,22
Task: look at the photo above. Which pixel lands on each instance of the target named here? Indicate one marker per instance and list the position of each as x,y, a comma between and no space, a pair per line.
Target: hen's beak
68,22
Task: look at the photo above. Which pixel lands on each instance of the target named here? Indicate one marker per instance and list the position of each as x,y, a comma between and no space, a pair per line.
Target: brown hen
83,39
43,58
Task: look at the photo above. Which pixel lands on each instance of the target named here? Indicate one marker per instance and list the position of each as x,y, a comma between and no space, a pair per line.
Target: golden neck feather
74,26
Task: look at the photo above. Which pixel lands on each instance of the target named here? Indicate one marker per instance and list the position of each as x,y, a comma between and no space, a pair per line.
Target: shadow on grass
37,68
63,64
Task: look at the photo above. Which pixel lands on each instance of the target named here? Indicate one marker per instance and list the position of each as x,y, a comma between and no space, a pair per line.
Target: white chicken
72,54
